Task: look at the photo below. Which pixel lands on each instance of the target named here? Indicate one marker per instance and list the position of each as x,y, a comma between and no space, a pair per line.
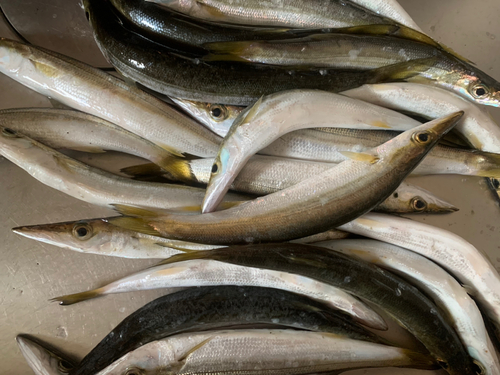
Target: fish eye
215,168
480,91
422,137
82,231
134,371
418,204
9,133
64,366
496,183
218,112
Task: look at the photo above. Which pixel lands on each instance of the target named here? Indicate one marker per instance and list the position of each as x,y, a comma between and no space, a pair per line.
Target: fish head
217,117
413,199
410,147
82,236
13,55
480,88
43,359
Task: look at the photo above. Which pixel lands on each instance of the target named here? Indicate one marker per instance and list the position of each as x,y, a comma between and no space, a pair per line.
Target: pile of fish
299,109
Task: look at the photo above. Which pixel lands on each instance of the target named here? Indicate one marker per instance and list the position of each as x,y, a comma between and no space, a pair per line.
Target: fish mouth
43,359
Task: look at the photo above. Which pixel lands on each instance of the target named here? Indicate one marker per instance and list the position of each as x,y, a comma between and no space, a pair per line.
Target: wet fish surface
207,308
93,91
261,352
446,292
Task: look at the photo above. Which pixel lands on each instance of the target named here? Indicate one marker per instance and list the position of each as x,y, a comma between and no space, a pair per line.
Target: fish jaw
227,165
65,235
42,360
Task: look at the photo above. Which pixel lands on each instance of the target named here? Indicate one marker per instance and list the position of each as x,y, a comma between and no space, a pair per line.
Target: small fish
91,184
98,236
281,13
457,256
281,113
446,292
65,129
43,358
297,212
257,352
206,308
206,272
93,91
264,175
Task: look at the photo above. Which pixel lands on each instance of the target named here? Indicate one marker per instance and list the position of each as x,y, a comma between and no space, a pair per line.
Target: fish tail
71,299
488,164
227,51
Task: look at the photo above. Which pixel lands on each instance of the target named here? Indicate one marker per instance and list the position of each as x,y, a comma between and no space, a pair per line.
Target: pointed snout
443,125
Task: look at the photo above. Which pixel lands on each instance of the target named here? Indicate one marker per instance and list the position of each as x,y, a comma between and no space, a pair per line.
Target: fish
325,50
360,52
405,303
390,9
66,129
457,256
264,175
98,93
90,184
295,212
206,308
161,69
477,126
257,128
43,358
98,236
206,272
444,290
280,13
259,351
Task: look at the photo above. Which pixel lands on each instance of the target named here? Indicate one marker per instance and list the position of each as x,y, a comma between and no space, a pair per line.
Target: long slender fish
282,13
259,351
93,91
457,256
446,292
411,308
264,175
297,212
43,358
476,126
270,118
206,308
157,68
91,184
60,128
206,272
326,50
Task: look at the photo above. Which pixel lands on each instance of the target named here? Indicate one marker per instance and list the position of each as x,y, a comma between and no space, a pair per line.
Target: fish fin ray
136,224
360,156
183,357
134,211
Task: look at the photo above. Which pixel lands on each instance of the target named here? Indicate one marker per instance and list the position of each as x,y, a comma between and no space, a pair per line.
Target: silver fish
206,272
59,128
90,184
252,352
457,256
93,91
277,114
390,9
313,205
298,14
446,292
